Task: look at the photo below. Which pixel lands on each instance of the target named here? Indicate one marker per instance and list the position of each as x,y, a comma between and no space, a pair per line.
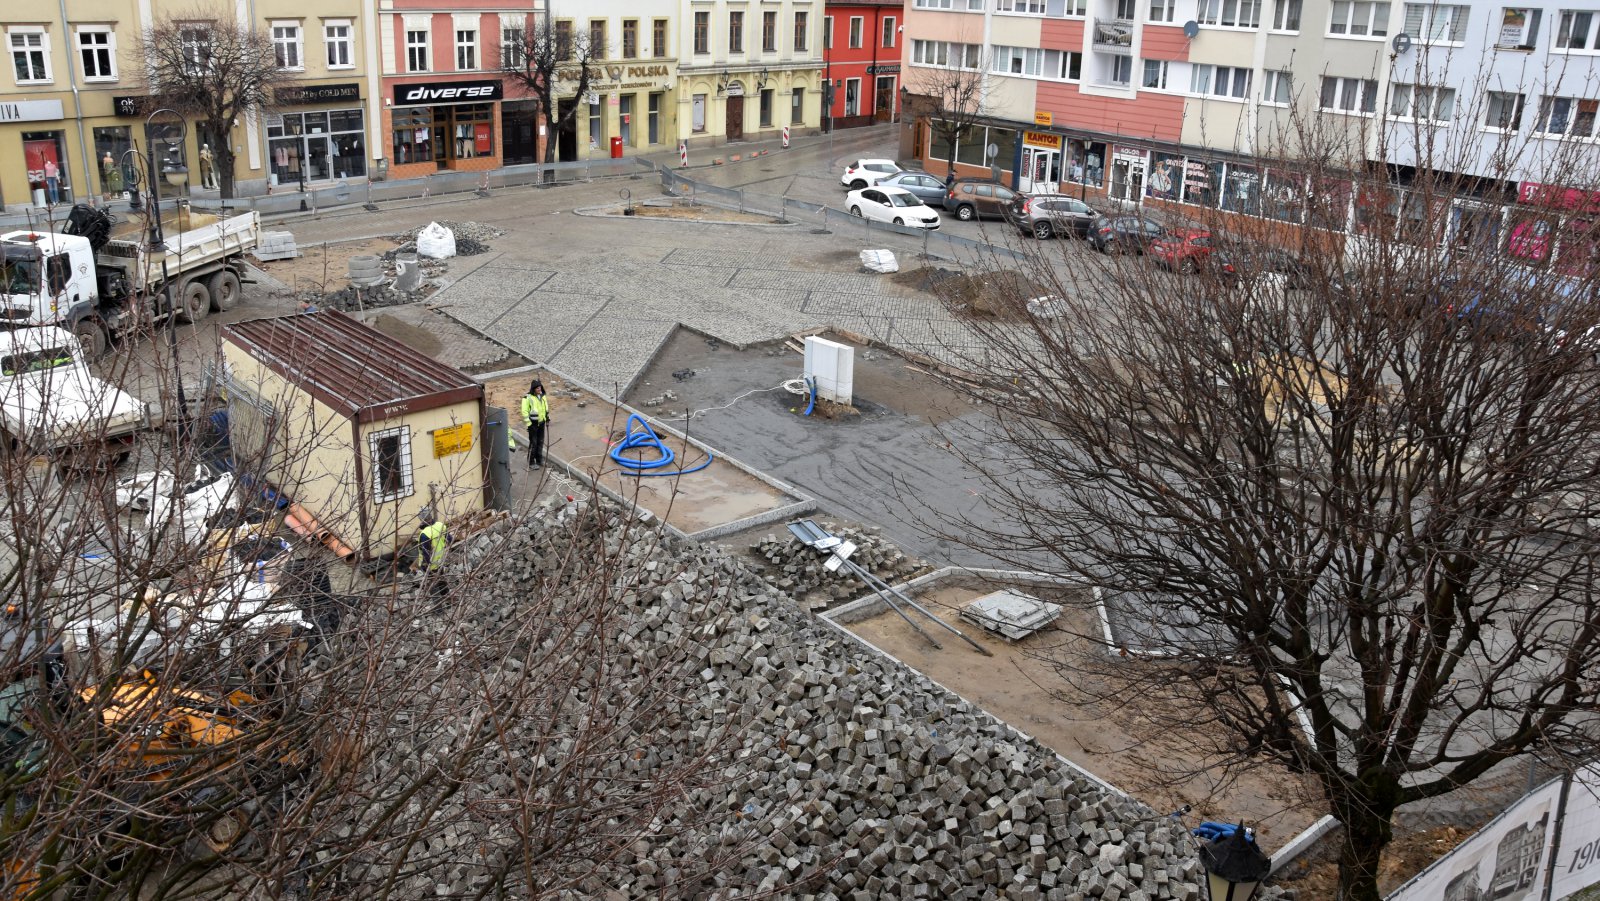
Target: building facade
1185,103
747,70
77,99
631,104
861,45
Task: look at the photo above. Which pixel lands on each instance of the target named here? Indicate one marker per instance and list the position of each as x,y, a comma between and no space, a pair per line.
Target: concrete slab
723,498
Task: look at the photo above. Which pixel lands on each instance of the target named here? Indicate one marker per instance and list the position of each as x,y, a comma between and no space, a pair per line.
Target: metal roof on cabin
349,365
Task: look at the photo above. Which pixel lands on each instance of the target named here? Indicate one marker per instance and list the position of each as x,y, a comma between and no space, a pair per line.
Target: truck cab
49,400
46,278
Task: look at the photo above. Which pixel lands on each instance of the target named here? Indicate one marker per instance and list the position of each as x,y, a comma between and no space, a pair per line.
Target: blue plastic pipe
812,384
639,436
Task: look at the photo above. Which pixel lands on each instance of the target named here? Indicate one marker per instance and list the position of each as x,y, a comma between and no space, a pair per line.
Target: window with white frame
1127,10
194,43
1286,15
1349,95
466,49
1034,62
889,26
856,25
852,96
390,451
1071,66
946,54
1231,13
1026,7
1434,23
336,38
1163,10
97,50
958,5
513,47
1576,31
286,45
1359,18
1422,102
1155,75
1121,70
1504,110
1277,87
30,55
1519,27
1220,81
1074,8
417,50
1572,117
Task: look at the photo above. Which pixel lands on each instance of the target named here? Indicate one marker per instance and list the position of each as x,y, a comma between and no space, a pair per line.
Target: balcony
1115,35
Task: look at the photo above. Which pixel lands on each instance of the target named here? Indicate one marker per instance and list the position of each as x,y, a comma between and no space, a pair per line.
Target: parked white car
866,173
895,205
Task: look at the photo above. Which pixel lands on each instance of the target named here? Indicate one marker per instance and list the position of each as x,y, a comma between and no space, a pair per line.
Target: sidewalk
285,203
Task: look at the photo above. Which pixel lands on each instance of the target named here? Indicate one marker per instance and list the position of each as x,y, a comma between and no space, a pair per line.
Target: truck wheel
194,302
92,335
224,288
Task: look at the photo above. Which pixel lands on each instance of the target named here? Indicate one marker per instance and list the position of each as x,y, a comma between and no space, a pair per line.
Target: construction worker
433,540
535,415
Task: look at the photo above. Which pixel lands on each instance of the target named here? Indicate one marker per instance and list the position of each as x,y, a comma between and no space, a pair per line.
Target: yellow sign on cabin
1041,117
453,440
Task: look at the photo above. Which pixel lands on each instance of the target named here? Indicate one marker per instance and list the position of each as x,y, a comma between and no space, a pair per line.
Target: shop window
417,50
30,55
800,24
466,49
472,130
97,49
698,112
413,138
597,124
321,145
336,38
286,45
391,464
797,106
111,145
44,153
852,96
766,107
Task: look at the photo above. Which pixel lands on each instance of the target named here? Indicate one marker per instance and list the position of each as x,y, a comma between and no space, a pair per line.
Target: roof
351,366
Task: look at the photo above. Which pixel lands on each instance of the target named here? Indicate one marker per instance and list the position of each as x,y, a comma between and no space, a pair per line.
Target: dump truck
96,286
52,404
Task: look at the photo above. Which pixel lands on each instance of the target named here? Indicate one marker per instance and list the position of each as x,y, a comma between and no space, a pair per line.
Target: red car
1183,250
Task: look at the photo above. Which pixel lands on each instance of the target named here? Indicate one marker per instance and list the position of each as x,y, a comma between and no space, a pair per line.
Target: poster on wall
1504,860
480,139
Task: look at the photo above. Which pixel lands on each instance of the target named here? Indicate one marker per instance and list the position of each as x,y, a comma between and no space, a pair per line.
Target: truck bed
195,249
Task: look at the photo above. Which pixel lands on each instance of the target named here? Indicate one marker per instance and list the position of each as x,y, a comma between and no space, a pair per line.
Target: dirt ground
1317,875
1120,745
323,267
696,213
581,436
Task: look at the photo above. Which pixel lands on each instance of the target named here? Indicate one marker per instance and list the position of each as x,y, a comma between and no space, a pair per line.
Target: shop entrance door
1127,180
735,130
318,156
883,102
625,119
567,138
1041,170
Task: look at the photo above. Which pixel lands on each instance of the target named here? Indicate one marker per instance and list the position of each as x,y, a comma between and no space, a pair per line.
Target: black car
1231,262
1123,234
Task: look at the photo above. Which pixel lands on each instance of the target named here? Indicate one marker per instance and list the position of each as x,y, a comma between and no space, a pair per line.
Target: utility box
833,366
360,430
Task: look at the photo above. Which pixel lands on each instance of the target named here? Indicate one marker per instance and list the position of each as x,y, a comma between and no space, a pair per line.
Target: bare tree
952,94
553,62
1348,499
216,71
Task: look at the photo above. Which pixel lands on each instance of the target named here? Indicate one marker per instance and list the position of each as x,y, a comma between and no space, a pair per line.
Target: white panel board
833,365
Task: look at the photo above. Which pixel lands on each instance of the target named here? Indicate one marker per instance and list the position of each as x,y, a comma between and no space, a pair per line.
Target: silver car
925,186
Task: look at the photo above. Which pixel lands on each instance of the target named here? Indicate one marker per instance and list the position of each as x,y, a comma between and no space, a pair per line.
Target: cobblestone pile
798,570
826,771
472,238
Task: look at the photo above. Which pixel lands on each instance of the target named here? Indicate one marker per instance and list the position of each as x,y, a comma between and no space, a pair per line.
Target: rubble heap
785,759
798,569
472,238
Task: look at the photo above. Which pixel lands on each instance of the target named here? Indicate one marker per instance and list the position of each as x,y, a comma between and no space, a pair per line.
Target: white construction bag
436,242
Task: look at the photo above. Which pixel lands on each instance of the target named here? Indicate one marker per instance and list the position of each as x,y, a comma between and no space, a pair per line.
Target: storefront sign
317,93
30,110
1124,152
435,92
887,70
130,106
1574,199
620,77
1041,139
448,442
1043,118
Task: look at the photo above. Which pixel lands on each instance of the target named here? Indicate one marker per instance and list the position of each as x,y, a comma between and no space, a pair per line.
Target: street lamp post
176,173
1234,866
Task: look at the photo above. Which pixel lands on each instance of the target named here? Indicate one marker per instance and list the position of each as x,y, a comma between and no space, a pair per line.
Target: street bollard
786,137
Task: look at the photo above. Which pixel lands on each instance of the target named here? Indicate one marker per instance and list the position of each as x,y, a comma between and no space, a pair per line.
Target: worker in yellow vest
433,541
535,415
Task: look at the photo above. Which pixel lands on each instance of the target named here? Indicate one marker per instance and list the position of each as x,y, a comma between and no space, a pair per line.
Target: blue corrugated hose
638,436
812,384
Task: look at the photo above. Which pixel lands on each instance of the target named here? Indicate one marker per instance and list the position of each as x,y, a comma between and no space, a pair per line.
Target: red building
861,43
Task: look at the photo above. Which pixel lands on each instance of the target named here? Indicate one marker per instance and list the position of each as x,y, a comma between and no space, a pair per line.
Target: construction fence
1545,847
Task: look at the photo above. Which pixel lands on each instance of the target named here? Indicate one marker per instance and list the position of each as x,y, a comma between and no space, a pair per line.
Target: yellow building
360,430
75,99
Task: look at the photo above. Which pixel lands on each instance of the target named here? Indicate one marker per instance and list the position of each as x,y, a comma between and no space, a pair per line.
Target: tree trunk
224,173
1367,831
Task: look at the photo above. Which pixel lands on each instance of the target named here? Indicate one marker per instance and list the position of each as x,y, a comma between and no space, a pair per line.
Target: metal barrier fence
287,199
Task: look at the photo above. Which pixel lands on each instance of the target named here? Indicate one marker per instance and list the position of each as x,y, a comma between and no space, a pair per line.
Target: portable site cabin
354,426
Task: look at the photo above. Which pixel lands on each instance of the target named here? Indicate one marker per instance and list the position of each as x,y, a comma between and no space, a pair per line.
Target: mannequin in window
207,175
112,175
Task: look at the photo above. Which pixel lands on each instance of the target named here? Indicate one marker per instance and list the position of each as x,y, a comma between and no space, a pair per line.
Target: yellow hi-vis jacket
433,544
535,408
